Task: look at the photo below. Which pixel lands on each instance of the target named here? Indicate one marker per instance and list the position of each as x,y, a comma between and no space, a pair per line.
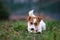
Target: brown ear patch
30,18
38,18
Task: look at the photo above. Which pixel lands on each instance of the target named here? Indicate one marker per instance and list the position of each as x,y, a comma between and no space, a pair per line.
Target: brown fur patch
30,18
38,19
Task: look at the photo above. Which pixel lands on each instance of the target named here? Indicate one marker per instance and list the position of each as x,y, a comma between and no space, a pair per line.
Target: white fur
34,20
41,26
31,13
31,26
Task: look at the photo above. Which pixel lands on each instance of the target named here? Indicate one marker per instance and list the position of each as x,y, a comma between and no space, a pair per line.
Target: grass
10,30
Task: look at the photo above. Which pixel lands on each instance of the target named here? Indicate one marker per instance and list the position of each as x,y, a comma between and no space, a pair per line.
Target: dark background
21,7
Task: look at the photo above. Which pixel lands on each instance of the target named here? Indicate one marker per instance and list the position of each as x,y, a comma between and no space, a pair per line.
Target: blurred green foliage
4,12
10,30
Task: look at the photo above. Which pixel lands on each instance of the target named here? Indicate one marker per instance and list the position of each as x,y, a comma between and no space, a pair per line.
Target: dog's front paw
39,33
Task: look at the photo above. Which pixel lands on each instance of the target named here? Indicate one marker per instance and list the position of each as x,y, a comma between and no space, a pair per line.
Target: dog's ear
39,18
29,18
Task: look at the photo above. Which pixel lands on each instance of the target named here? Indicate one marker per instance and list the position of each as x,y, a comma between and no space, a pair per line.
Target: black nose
32,28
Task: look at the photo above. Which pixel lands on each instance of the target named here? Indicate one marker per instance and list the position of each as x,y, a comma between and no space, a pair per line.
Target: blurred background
18,9
13,15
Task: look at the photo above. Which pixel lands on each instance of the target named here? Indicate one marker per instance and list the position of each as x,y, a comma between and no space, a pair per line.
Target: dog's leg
44,27
39,30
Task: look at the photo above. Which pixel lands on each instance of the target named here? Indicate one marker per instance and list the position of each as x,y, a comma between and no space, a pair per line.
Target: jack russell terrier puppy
35,23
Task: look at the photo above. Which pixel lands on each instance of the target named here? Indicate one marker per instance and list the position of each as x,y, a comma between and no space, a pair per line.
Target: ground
11,30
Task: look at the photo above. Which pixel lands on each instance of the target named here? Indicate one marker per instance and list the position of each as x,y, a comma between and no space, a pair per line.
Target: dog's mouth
32,30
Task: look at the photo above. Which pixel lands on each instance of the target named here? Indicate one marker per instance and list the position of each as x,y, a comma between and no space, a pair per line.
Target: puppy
35,23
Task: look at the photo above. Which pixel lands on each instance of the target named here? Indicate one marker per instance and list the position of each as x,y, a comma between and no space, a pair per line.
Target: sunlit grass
10,30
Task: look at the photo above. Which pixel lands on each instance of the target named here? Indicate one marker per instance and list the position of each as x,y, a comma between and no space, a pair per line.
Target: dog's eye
35,24
31,23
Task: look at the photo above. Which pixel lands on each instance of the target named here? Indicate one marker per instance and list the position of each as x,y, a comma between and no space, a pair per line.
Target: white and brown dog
35,23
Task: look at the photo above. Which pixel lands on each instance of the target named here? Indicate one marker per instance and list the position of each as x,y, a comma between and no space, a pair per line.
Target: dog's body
35,23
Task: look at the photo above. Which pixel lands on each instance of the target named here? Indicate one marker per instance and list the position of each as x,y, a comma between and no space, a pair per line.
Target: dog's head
34,22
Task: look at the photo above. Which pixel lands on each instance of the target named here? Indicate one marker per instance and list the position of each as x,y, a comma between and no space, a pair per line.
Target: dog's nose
32,28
